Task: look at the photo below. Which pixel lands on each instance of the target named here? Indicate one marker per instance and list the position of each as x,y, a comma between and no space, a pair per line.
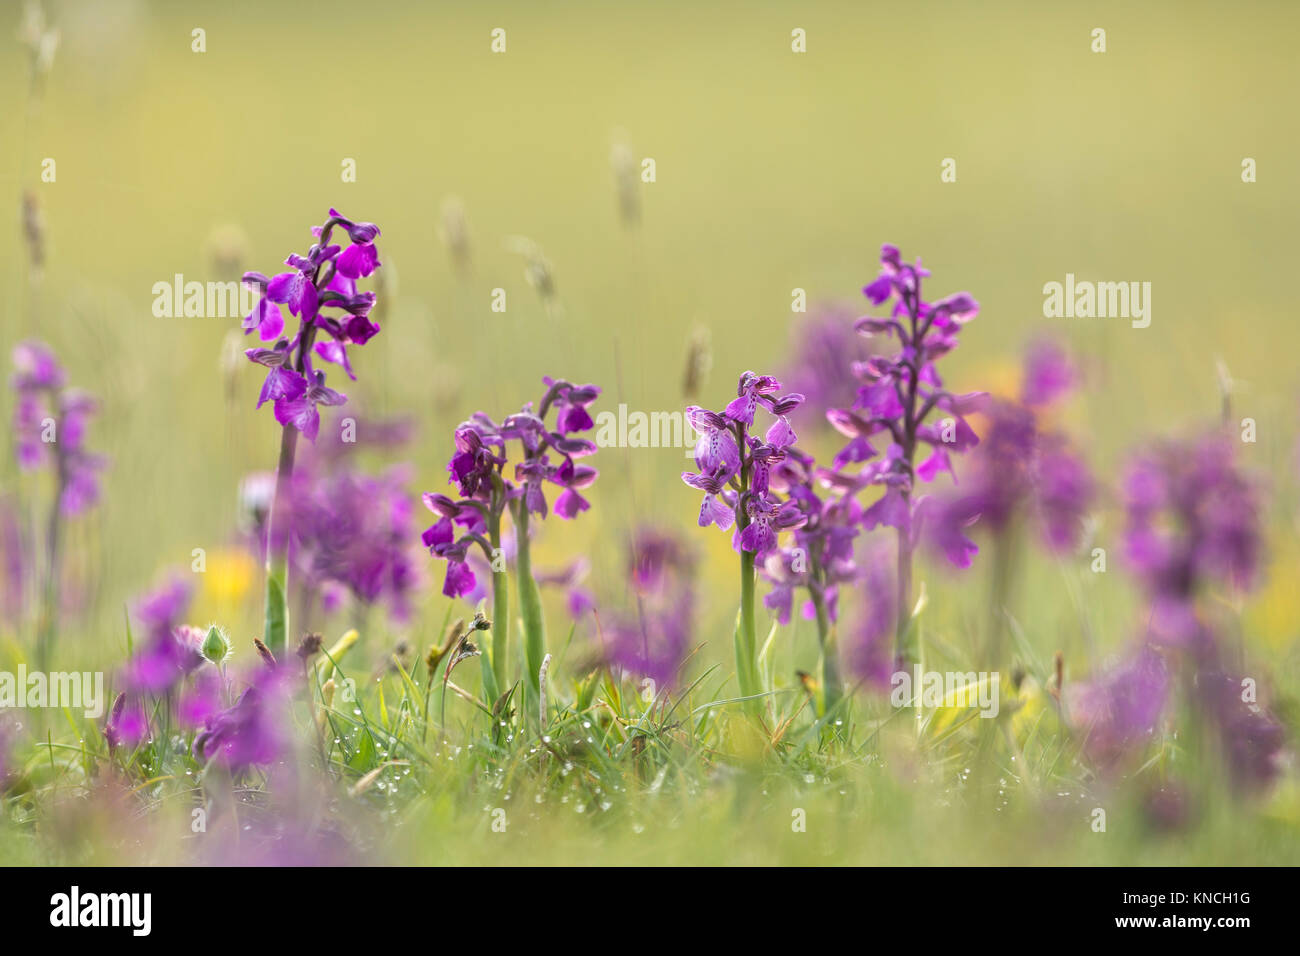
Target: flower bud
216,646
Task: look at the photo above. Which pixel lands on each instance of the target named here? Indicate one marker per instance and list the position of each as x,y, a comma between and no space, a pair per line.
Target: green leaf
765,659
277,611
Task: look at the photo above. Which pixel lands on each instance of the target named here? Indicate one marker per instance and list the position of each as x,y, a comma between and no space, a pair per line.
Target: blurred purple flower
158,611
826,347
1120,708
14,562
1018,469
50,427
255,729
353,529
870,652
1193,518
7,771
1253,740
1049,373
126,723
653,640
1021,468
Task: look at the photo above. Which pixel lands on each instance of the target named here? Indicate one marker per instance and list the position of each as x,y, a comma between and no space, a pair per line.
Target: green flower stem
747,636
832,689
747,631
494,663
530,608
277,555
276,630
902,650
911,421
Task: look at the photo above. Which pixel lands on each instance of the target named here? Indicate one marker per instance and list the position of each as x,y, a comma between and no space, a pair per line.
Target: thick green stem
276,629
747,636
530,609
1000,589
902,651
832,688
494,663
911,422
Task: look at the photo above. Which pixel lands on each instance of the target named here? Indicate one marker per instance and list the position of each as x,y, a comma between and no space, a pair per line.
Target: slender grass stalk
48,629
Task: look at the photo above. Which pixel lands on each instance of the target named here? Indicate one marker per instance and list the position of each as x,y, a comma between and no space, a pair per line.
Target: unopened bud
216,646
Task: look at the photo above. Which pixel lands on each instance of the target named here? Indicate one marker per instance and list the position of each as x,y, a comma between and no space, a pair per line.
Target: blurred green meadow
773,171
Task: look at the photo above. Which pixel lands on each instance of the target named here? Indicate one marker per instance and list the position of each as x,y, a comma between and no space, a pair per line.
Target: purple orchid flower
320,290
899,393
478,468
747,486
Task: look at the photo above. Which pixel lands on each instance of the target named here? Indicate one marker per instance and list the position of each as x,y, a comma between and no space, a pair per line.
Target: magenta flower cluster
735,467
549,454
898,395
320,290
